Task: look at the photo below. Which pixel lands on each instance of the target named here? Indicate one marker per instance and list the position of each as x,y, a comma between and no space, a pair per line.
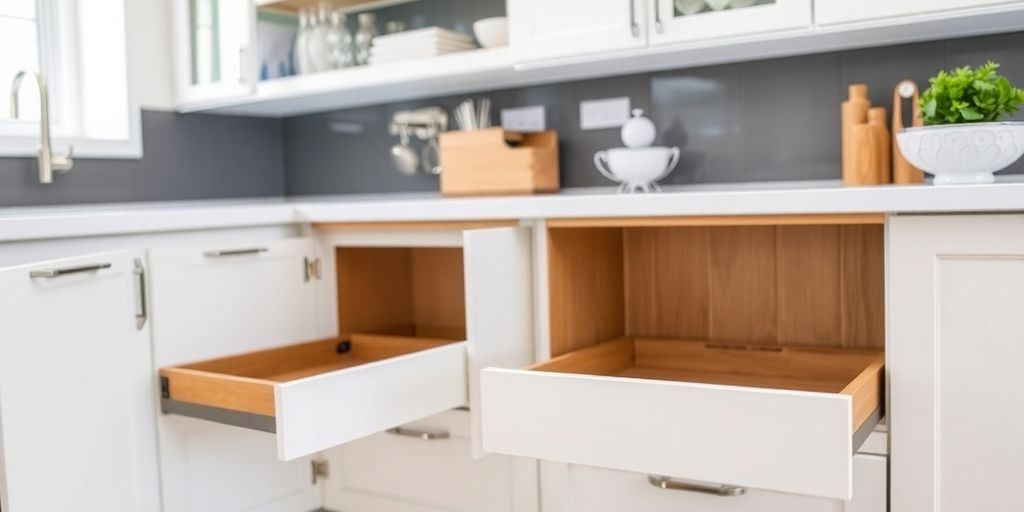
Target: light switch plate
604,113
523,119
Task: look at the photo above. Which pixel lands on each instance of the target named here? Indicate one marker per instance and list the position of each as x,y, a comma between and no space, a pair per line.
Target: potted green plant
964,139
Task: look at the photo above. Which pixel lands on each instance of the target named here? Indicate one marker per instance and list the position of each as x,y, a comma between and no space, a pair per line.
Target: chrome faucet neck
48,163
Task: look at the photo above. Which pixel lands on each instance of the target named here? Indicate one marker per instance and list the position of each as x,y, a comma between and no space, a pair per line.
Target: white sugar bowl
637,169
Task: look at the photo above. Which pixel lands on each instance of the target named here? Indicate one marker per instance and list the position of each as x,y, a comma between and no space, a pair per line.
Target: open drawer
414,325
747,355
320,394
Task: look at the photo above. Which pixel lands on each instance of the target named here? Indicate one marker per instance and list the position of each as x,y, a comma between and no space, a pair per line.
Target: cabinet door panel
214,301
956,287
214,49
77,392
696,21
541,29
828,12
499,308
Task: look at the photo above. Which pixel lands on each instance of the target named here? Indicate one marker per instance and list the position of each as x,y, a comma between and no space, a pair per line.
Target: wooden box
496,162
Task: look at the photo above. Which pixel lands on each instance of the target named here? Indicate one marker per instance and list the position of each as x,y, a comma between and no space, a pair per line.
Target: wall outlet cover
604,113
524,119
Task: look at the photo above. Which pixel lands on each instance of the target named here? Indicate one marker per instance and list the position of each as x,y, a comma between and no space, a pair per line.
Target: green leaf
965,95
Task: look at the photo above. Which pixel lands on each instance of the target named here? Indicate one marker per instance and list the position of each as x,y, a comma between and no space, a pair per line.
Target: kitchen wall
766,120
191,156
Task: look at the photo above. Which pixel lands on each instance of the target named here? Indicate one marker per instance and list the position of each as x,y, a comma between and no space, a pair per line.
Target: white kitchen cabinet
219,300
77,394
407,340
746,351
956,288
830,12
693,21
540,29
215,52
572,488
427,466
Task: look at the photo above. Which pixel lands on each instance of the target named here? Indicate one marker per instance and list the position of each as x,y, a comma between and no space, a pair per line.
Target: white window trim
57,35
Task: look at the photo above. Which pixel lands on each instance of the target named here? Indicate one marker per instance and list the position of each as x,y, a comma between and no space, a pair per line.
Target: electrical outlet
604,113
523,119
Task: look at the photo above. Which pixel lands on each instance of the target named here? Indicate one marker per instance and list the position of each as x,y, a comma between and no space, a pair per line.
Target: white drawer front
326,410
790,441
602,490
393,473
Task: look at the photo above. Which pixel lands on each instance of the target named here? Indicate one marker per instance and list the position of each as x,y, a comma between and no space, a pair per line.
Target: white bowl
491,32
963,153
637,168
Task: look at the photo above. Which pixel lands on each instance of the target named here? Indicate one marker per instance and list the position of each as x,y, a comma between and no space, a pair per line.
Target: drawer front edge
789,441
333,408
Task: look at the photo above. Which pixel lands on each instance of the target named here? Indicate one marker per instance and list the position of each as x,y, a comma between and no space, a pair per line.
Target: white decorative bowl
491,32
637,169
963,153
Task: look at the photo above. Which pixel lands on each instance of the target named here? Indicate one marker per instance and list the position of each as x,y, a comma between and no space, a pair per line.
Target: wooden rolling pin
902,171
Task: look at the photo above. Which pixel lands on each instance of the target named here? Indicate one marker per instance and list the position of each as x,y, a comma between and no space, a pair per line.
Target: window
80,48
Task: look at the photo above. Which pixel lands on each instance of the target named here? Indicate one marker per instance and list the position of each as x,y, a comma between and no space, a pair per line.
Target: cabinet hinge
321,470
311,268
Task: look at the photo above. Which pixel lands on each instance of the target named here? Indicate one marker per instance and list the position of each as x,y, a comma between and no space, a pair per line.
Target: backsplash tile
768,120
193,156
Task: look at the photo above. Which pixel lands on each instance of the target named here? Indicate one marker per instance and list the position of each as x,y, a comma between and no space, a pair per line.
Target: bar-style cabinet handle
715,490
57,272
657,17
426,435
234,252
633,26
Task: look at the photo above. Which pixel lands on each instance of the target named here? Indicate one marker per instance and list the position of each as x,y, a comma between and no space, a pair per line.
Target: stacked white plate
417,44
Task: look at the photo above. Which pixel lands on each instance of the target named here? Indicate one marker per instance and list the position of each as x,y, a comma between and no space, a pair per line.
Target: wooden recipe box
493,161
744,351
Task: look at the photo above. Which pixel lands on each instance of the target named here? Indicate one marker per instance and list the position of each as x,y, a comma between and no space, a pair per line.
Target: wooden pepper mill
902,171
854,113
881,143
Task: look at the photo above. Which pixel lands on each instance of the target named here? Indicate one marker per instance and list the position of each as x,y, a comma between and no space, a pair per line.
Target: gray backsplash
194,156
765,120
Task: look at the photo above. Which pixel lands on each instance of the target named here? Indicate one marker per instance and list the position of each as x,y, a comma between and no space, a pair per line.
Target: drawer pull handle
234,252
426,435
675,485
57,272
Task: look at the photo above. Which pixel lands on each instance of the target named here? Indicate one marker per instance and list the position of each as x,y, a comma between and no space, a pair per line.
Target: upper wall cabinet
540,29
687,21
843,11
214,54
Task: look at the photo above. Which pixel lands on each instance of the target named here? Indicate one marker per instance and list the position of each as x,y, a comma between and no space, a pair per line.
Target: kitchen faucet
48,163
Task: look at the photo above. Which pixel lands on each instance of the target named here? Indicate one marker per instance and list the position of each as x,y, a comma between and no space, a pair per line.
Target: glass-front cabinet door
214,53
689,21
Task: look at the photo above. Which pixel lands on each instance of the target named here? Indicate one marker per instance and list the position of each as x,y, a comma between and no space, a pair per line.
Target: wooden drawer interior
409,291
857,373
795,304
245,383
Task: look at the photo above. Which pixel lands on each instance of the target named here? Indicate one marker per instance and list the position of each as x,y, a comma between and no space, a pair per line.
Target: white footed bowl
963,153
637,169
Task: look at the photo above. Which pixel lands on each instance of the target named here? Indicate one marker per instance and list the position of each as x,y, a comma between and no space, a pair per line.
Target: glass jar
339,42
364,36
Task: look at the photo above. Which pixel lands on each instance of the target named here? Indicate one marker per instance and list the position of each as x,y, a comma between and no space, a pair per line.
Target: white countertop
721,199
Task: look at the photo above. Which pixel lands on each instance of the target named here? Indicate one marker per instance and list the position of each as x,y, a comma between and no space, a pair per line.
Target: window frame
57,39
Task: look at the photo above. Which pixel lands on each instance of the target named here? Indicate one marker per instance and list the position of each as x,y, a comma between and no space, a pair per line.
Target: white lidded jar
638,131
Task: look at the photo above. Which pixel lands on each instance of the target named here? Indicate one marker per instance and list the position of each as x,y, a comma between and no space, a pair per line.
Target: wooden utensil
854,112
881,143
902,171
